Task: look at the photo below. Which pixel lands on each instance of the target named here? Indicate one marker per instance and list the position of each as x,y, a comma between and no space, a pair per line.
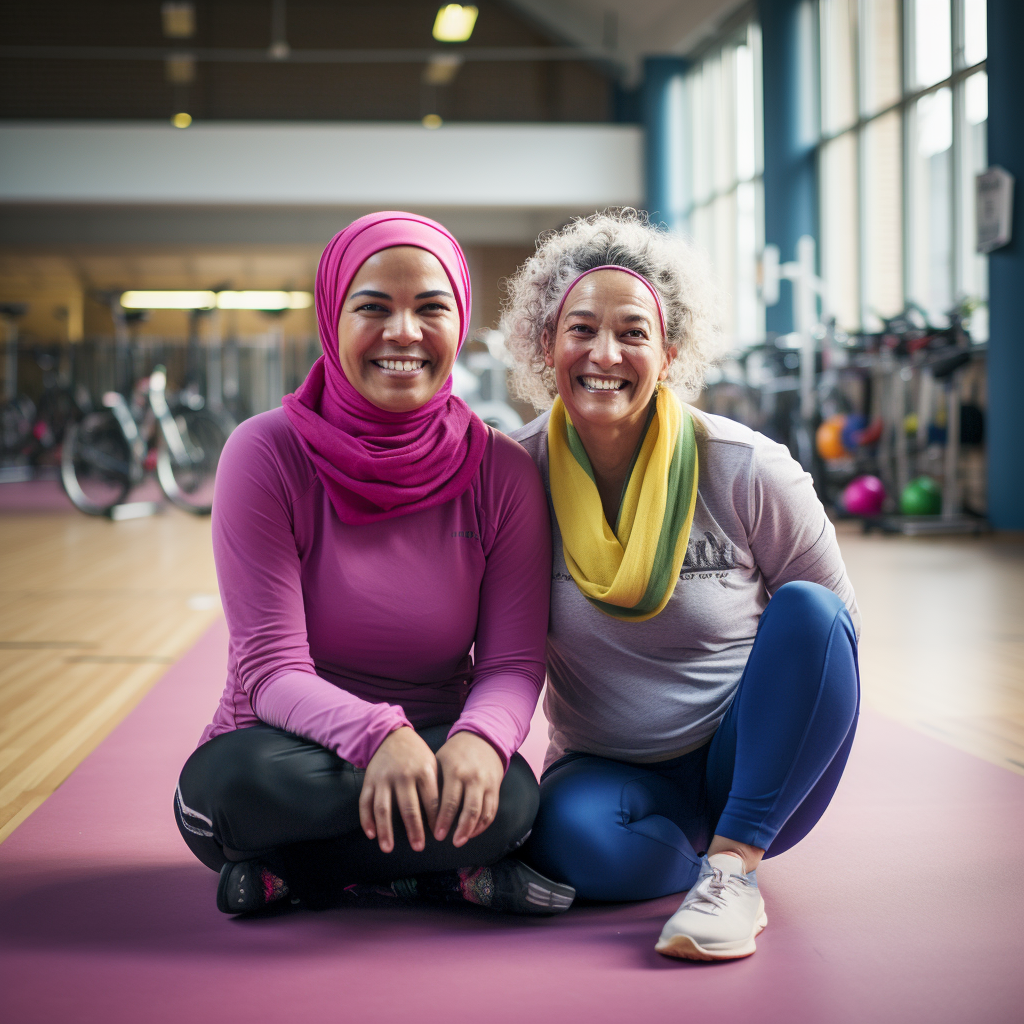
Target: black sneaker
518,889
247,885
510,887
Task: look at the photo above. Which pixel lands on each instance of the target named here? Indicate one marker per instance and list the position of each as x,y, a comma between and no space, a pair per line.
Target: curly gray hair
678,269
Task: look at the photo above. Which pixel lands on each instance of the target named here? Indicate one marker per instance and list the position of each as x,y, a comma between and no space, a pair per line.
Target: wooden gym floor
93,612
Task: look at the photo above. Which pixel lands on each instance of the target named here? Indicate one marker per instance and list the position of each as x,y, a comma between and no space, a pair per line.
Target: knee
810,606
582,839
518,801
241,769
605,860
218,783
810,628
807,599
587,836
569,842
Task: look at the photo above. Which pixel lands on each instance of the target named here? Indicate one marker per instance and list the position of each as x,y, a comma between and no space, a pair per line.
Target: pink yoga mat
905,904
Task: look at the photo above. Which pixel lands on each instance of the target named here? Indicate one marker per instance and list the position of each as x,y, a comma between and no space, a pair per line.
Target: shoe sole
682,947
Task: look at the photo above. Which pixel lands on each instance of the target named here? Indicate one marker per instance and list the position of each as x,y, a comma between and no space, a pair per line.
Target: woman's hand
404,765
472,772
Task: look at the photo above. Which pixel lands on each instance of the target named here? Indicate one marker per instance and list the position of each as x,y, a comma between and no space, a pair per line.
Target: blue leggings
619,831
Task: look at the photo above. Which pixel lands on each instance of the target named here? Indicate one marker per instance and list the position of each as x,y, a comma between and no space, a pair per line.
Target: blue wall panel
1006,271
658,75
790,170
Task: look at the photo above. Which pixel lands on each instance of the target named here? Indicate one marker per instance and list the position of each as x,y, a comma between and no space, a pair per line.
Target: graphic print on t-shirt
708,552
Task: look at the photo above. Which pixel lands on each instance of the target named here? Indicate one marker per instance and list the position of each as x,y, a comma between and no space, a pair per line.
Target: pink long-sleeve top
342,634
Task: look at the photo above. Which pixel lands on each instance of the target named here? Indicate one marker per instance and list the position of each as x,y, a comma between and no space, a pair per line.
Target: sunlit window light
454,23
216,300
181,120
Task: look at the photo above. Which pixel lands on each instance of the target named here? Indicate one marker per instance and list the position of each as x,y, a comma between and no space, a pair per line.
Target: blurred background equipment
109,451
832,156
864,496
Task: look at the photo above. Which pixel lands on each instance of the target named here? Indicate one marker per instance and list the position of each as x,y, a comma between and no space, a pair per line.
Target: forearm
499,709
304,704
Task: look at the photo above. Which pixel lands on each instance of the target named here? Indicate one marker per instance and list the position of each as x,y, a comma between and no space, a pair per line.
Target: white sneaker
720,915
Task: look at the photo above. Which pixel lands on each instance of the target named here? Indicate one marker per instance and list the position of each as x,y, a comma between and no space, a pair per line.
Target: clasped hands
404,772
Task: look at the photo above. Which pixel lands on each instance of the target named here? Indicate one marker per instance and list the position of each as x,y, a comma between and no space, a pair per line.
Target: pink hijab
376,464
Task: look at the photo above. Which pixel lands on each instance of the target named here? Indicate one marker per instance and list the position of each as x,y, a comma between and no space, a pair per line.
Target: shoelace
712,891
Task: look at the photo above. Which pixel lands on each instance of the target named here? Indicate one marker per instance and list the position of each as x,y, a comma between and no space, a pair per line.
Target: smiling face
607,351
398,332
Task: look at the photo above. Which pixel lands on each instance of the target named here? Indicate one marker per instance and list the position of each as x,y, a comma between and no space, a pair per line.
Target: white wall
375,165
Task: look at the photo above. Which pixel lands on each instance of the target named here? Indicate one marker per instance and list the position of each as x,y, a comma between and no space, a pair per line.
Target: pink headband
614,266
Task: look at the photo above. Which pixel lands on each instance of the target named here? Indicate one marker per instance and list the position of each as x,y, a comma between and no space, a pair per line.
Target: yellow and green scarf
630,572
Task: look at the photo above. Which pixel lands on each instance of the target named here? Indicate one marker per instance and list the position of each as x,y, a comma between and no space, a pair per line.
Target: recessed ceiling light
454,23
179,19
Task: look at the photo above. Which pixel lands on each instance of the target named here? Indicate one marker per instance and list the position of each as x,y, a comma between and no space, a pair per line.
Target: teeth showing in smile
600,384
400,364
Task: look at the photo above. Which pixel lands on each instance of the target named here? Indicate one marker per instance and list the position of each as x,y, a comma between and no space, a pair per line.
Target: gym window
718,104
904,101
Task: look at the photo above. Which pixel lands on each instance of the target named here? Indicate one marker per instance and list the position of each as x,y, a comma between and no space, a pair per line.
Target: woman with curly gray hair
702,650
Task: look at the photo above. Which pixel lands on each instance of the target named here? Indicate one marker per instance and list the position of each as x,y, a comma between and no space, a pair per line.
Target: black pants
267,793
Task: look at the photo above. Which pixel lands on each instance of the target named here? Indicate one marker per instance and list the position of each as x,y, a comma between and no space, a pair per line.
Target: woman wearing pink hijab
384,564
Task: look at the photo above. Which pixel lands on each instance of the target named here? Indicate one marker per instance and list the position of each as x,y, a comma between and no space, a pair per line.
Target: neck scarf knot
375,464
628,572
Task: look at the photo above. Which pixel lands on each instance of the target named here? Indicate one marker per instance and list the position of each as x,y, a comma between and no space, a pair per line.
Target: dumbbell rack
952,519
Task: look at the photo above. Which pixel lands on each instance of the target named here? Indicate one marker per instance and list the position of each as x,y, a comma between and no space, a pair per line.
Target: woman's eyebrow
636,318
434,293
371,293
579,312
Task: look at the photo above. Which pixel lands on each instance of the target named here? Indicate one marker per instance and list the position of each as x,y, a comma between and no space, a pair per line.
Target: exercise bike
110,451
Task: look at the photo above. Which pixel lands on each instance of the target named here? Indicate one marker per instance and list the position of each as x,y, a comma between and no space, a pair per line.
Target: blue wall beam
1005,434
790,135
663,180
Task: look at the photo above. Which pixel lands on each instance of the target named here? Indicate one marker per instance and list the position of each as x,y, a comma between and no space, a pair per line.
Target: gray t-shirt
653,690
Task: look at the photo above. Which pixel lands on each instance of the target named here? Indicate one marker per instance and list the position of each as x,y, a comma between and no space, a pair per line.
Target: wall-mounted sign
993,194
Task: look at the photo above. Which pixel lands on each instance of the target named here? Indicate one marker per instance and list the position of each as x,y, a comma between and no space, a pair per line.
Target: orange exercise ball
829,438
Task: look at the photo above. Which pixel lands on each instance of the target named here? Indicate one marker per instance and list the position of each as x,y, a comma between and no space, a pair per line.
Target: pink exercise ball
864,496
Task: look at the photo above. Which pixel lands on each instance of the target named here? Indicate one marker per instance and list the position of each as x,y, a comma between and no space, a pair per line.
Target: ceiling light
179,20
264,300
432,121
454,23
216,300
181,120
169,300
442,68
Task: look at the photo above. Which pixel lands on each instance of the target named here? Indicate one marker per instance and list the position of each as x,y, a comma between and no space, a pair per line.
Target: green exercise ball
921,497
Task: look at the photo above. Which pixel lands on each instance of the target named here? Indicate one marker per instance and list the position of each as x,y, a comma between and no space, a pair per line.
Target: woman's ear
670,353
548,347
